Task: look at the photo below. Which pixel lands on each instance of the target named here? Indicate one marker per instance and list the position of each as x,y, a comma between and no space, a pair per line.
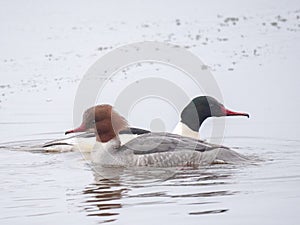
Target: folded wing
166,142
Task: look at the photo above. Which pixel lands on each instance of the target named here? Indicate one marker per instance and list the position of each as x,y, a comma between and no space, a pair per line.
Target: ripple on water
109,197
41,184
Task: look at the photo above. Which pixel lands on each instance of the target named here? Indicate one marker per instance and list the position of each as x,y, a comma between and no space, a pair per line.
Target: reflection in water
102,197
127,188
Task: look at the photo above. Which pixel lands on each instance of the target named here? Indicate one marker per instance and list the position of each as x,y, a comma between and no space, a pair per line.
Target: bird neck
193,116
183,130
109,126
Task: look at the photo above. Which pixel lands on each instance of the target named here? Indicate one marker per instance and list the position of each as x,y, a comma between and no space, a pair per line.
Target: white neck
102,153
184,130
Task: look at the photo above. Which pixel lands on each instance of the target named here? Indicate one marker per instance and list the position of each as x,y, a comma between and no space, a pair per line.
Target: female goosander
153,149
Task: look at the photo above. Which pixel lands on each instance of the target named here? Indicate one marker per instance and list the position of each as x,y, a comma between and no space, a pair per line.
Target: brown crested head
104,120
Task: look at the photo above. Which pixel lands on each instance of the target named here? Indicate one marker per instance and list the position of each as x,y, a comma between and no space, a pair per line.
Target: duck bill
81,128
228,112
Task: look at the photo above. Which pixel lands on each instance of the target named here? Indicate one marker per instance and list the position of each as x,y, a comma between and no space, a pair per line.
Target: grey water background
252,49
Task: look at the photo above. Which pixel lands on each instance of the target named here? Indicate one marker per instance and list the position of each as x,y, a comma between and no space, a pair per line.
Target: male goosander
153,149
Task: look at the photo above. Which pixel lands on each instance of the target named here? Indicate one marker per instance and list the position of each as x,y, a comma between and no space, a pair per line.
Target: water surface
52,187
253,51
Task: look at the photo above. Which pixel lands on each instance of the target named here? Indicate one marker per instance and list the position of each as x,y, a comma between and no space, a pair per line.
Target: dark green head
203,107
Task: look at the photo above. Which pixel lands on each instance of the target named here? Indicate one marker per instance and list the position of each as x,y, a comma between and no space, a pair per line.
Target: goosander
153,149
